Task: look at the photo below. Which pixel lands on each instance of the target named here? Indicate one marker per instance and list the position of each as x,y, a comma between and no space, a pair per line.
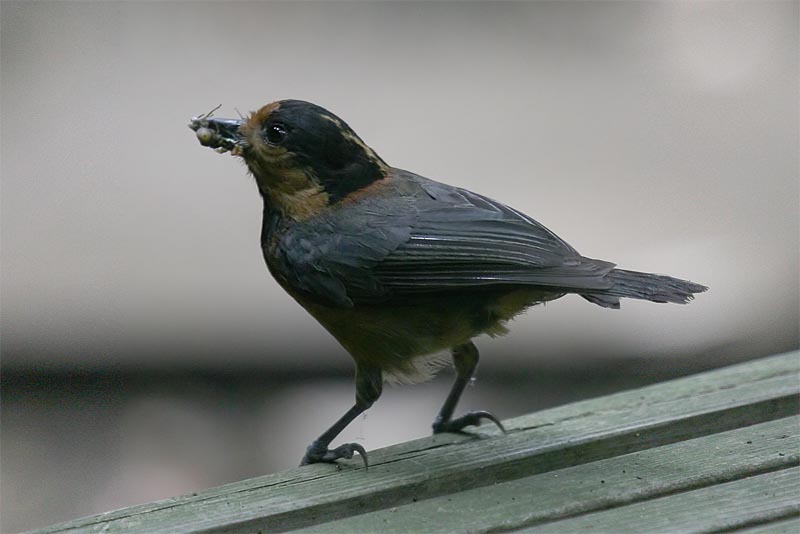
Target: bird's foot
468,419
319,452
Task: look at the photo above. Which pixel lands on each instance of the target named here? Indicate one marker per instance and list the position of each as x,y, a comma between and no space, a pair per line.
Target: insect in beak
220,134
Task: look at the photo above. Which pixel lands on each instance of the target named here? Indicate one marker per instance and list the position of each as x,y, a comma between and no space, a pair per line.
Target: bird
398,268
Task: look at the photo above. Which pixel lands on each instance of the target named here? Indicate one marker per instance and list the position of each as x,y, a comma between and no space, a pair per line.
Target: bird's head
303,157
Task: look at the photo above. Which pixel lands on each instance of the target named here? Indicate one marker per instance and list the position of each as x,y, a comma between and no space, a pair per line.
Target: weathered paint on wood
788,526
579,442
595,486
720,507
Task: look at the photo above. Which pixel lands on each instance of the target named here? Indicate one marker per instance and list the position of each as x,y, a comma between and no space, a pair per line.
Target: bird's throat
293,193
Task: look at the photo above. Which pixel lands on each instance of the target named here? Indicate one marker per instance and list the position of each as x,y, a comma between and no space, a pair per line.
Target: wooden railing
717,451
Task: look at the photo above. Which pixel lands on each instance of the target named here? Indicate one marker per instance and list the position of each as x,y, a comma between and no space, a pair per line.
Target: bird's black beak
220,134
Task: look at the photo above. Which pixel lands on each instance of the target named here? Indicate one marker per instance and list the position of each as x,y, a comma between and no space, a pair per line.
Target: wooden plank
575,434
787,526
605,484
713,509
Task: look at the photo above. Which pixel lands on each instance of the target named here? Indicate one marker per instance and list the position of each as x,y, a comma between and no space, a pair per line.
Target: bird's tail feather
644,286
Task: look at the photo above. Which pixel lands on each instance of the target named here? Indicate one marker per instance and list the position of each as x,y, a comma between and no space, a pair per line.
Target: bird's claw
468,419
320,453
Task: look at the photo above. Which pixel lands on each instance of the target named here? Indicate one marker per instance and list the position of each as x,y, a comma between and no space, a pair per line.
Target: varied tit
398,267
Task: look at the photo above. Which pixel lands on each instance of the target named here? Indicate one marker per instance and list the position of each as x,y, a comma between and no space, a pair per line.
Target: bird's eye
276,134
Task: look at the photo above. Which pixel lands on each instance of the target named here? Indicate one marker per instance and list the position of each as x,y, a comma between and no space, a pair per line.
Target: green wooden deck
718,451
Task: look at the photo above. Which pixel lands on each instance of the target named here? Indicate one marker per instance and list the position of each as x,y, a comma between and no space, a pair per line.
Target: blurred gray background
146,352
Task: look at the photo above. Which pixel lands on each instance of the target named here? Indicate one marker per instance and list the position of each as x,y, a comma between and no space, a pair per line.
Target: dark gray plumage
398,267
417,236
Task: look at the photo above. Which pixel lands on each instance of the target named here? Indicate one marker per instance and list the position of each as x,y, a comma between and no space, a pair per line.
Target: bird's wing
426,237
461,239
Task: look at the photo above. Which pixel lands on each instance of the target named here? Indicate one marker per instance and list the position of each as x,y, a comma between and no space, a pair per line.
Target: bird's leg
369,384
465,360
